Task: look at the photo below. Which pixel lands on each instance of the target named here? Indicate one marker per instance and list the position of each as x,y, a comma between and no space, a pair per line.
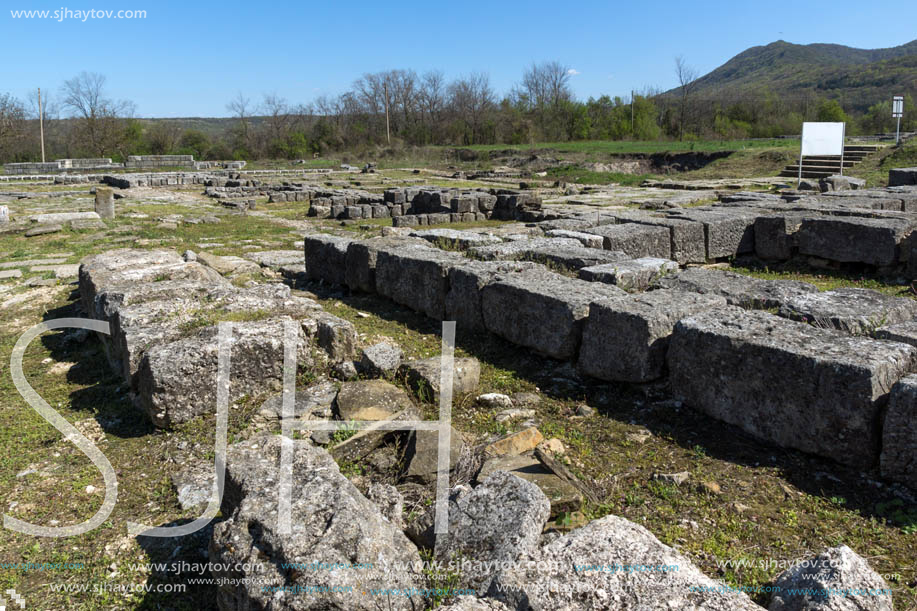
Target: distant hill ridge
857,77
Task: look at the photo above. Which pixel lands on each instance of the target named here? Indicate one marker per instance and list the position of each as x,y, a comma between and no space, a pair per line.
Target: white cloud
572,71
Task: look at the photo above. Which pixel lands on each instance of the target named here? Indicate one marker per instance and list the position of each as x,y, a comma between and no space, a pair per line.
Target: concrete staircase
822,166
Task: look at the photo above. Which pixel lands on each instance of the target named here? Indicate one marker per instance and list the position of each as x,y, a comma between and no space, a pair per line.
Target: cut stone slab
31,262
83,224
875,241
902,176
846,579
336,336
728,231
516,443
370,400
904,332
516,249
381,359
326,257
563,496
626,340
60,271
361,259
589,240
546,578
43,230
63,217
853,310
739,290
466,283
423,376
499,521
422,455
194,485
332,522
455,239
177,381
541,310
417,277
687,238
366,440
316,400
786,382
635,240
228,265
629,274
775,236
899,435
573,258
6,274
275,259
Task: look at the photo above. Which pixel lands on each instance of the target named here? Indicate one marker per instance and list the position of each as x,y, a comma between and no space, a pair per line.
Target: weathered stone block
466,283
360,260
850,239
775,236
177,381
635,240
856,311
786,382
902,176
739,290
541,310
589,240
899,434
416,276
687,238
326,257
625,340
904,332
629,274
728,231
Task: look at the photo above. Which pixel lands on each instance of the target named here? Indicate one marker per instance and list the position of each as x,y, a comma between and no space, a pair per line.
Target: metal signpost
897,113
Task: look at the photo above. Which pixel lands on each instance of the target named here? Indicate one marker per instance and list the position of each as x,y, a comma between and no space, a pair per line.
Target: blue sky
188,59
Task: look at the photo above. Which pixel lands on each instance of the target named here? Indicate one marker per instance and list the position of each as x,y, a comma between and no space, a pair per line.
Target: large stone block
728,231
517,249
855,311
360,260
775,236
612,563
466,283
635,240
416,276
177,381
326,257
455,239
630,274
899,434
902,176
875,241
332,525
739,290
687,238
541,310
787,382
625,340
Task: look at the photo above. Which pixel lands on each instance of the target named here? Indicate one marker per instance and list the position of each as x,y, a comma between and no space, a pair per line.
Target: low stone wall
143,162
157,179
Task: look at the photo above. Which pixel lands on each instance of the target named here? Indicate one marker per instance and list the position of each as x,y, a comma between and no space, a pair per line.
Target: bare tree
99,117
472,99
687,78
240,107
12,125
164,137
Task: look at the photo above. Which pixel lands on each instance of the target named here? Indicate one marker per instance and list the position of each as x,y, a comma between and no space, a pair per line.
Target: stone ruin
616,293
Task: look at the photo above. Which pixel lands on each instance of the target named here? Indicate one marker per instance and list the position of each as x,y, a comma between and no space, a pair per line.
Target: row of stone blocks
784,381
161,179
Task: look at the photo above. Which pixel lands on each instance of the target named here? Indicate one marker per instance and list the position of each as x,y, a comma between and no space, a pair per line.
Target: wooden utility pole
388,133
631,113
41,126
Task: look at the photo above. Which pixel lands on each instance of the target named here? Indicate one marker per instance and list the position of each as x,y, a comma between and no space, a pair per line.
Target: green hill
856,77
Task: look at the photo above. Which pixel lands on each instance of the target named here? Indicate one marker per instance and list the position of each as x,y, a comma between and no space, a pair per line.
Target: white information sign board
823,139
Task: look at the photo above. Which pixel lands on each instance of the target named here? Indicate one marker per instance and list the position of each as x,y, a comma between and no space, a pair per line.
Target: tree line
397,108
